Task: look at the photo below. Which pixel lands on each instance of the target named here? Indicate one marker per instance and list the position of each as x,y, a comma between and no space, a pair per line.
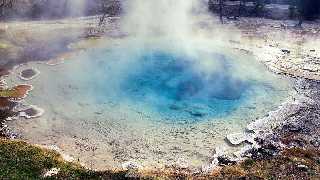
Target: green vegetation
20,160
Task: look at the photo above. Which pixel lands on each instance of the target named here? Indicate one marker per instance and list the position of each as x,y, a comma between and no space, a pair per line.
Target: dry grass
293,163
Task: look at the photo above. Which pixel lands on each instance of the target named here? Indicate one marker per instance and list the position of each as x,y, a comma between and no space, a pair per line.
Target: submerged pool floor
154,106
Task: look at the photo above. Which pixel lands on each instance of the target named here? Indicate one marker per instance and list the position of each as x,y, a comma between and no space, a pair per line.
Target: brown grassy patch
294,163
21,160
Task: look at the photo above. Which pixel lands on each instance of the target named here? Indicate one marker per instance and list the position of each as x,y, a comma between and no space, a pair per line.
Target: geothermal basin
154,104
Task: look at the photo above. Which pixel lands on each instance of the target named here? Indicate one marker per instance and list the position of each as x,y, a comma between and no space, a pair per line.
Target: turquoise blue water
172,85
157,104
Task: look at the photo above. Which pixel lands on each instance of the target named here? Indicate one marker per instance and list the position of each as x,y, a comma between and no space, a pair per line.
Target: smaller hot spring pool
150,105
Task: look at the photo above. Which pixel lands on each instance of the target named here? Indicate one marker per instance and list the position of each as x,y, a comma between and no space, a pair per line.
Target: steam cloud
169,17
179,28
76,7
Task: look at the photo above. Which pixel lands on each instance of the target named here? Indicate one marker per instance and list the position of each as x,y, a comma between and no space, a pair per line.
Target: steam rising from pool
172,84
155,106
168,93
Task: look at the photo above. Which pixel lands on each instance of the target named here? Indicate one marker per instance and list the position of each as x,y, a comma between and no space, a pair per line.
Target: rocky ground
294,52
283,47
293,129
286,142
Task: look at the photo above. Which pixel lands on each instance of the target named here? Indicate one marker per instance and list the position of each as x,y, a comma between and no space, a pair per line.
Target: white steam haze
80,95
175,25
186,26
170,18
76,7
164,24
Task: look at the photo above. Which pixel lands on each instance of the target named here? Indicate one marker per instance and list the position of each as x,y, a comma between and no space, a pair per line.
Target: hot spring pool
151,105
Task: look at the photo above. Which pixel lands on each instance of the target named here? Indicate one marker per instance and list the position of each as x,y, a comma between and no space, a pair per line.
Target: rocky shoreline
296,123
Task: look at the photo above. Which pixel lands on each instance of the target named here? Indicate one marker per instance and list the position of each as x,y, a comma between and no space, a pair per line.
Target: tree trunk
221,10
299,25
301,12
102,18
242,6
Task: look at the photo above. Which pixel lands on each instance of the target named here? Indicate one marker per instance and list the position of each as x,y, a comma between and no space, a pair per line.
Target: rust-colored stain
4,72
4,102
17,92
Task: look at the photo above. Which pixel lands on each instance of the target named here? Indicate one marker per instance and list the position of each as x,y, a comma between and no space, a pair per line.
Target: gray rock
286,51
302,167
130,165
239,138
225,161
